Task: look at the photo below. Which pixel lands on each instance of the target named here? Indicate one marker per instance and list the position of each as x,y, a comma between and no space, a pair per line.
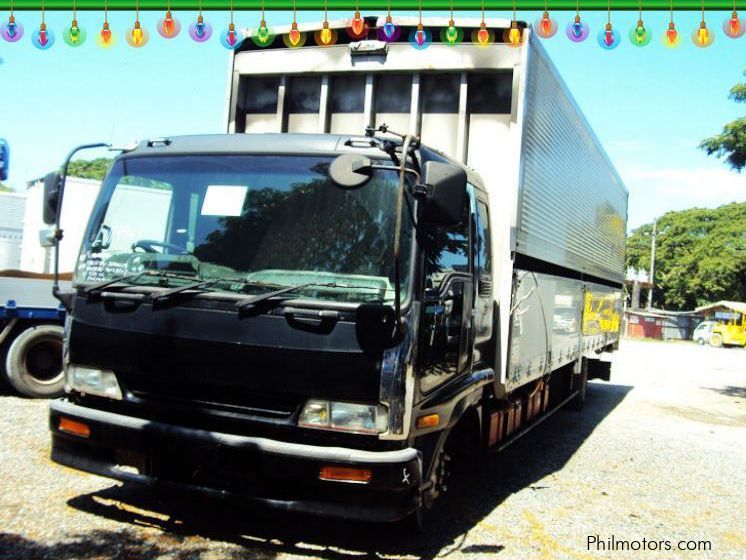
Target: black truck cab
245,323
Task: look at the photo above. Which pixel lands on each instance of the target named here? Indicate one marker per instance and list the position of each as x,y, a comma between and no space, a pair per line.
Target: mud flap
599,369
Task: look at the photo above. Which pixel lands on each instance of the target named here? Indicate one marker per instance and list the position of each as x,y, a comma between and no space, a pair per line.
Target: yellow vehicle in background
730,333
601,313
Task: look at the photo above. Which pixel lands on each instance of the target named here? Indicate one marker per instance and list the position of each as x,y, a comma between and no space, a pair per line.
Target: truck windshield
258,222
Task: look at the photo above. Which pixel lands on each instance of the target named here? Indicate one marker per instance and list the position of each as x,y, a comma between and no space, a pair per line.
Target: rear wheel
701,341
34,362
716,340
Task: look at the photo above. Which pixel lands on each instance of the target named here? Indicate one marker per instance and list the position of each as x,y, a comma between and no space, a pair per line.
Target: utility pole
652,265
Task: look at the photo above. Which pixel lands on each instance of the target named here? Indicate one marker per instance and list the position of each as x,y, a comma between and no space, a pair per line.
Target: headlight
101,382
344,417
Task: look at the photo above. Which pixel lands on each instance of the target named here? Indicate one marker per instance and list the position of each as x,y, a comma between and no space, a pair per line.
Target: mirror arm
58,233
408,139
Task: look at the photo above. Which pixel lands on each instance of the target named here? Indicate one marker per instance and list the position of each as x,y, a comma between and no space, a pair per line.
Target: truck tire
580,384
34,362
716,340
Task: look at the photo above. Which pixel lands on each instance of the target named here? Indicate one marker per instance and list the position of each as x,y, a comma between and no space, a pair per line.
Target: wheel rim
44,360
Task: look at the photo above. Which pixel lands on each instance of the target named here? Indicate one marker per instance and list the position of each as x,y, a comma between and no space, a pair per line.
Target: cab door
446,325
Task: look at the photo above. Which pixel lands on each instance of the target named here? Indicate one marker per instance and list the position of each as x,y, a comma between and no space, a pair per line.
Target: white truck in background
31,318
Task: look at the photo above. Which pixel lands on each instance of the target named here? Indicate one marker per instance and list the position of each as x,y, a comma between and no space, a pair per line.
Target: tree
731,144
90,168
700,256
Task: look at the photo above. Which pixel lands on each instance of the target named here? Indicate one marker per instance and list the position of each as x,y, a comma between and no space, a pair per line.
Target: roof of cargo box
406,24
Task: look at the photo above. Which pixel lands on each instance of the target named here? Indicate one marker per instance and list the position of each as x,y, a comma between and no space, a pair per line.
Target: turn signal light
74,427
429,421
345,474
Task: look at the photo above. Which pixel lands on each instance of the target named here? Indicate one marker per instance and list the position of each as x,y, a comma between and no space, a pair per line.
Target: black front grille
206,396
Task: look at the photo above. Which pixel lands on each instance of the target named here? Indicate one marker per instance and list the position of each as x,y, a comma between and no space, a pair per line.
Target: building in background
660,324
80,194
12,207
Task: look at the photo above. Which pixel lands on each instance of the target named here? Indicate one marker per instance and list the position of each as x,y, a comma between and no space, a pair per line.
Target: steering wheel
149,245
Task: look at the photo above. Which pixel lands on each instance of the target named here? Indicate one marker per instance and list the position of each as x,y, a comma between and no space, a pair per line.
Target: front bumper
277,474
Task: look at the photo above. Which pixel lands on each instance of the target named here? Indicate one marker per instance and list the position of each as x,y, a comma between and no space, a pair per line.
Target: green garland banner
373,7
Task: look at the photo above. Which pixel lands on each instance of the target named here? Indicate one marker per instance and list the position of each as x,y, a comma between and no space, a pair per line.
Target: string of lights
359,27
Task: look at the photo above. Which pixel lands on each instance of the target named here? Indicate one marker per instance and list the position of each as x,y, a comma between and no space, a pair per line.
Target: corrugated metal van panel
572,204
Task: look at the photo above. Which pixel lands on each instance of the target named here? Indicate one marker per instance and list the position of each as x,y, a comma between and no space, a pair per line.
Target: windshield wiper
96,288
253,300
164,295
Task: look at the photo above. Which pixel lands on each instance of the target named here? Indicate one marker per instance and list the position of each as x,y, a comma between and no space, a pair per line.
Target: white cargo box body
557,206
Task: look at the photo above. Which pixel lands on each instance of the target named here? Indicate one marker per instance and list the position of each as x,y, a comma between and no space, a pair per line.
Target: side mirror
351,171
52,185
4,160
445,201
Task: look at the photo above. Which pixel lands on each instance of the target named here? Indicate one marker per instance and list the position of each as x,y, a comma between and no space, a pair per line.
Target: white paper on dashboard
224,200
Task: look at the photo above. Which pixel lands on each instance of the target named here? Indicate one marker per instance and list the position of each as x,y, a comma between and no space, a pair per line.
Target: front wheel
701,341
34,362
716,340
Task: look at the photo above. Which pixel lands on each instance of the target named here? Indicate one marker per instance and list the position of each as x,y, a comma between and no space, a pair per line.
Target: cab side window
447,250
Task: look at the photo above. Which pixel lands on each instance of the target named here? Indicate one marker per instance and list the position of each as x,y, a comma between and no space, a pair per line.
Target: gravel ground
657,454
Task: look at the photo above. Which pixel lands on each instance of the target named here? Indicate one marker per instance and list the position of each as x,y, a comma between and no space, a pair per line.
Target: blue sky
649,106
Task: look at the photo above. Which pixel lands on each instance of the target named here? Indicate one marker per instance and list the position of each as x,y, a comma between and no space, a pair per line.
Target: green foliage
700,256
731,144
89,168
5,188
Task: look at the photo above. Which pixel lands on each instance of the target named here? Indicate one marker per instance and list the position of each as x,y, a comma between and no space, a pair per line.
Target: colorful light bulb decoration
357,24
168,27
608,38
200,31
389,31
482,36
734,27
294,38
230,38
702,37
12,30
577,30
513,36
420,38
356,27
75,35
137,37
43,38
451,35
671,38
325,37
105,38
639,35
262,36
546,26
